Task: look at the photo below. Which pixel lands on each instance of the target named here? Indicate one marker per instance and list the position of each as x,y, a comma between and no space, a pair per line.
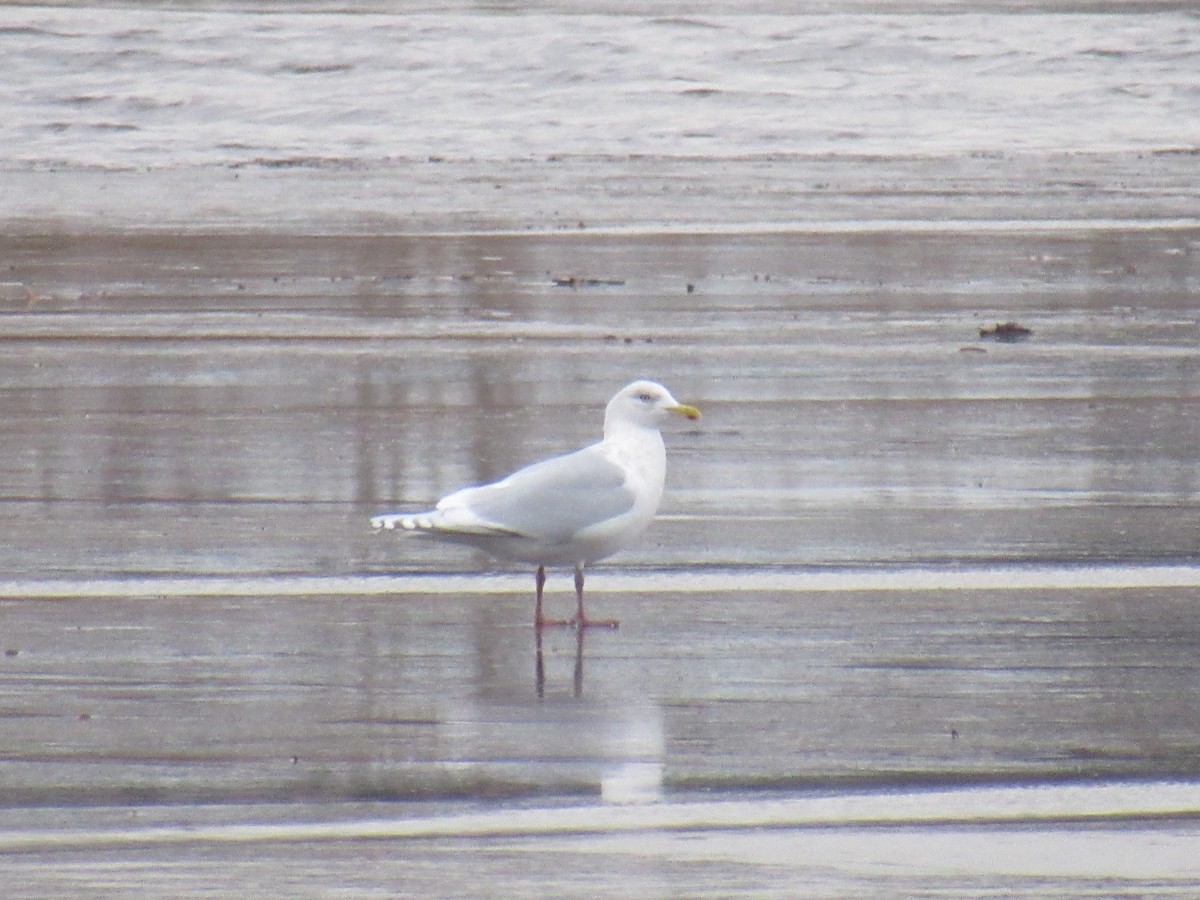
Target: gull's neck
624,430
639,447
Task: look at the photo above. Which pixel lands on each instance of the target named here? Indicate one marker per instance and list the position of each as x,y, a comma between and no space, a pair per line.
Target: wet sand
408,696
782,190
199,627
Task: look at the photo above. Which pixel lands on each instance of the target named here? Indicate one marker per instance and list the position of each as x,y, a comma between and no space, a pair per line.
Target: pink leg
540,581
582,621
540,621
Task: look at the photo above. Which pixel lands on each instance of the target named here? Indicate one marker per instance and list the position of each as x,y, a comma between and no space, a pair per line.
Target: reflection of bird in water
539,664
568,510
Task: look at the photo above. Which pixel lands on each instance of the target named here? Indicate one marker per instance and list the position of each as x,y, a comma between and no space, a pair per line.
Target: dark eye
646,398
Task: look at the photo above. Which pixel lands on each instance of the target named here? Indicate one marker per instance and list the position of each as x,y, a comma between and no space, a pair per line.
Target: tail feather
414,522
452,522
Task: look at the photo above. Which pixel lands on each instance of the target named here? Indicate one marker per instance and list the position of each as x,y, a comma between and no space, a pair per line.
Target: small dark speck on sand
573,282
1005,331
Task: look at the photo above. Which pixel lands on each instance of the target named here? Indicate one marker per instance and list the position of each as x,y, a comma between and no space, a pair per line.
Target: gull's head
648,404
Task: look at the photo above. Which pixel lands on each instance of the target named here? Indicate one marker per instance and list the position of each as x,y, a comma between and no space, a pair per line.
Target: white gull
567,510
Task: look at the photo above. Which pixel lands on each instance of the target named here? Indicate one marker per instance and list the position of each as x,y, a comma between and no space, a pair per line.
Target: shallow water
113,88
403,118
891,557
233,405
413,696
959,842
918,617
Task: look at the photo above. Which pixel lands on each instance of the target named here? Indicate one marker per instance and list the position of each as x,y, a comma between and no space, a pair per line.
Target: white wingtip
399,520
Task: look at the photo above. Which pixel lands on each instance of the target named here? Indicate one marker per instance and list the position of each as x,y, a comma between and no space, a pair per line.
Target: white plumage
568,510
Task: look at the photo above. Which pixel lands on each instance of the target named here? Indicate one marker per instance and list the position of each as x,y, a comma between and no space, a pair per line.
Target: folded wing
550,501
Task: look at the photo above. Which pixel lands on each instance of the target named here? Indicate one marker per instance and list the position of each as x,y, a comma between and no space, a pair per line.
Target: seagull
569,510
